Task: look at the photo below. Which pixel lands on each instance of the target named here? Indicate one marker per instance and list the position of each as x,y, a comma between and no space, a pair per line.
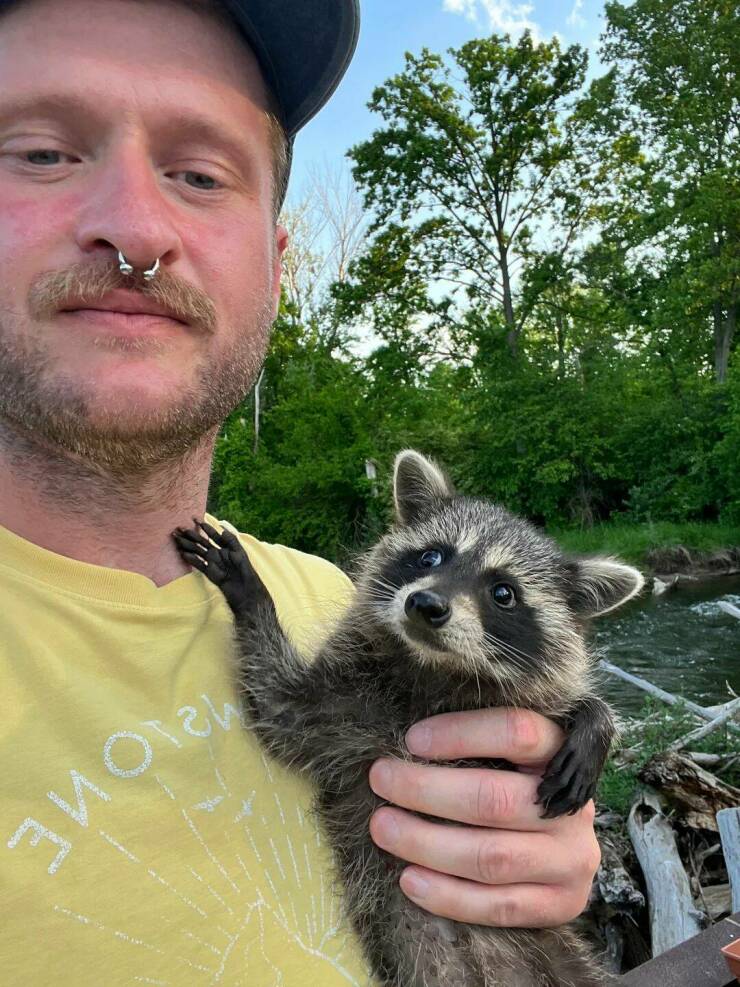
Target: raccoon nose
426,607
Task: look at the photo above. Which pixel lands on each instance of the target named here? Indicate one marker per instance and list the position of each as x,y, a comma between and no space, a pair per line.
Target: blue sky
392,27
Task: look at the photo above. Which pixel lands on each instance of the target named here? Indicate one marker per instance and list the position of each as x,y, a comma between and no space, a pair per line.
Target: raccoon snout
426,607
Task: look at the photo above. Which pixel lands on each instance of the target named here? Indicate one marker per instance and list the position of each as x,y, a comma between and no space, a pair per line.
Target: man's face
139,127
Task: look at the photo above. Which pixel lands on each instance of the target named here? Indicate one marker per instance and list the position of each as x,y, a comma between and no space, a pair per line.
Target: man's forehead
146,37
177,79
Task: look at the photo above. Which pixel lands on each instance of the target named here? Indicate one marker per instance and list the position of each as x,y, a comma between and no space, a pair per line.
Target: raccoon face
469,587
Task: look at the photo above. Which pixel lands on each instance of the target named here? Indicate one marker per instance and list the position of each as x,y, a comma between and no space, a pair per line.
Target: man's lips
126,323
122,308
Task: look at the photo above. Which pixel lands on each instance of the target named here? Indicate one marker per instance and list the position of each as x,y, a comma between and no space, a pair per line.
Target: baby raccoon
460,606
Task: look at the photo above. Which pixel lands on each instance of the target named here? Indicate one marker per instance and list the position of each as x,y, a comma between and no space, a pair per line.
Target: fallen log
673,917
697,794
705,713
728,821
617,888
730,711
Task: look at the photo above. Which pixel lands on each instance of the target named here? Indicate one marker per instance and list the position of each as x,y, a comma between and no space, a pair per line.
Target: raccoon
460,606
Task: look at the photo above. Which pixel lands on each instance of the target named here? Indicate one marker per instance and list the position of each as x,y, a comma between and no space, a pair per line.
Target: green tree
474,169
675,85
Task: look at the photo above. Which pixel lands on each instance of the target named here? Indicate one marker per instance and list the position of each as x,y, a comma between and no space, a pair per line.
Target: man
146,839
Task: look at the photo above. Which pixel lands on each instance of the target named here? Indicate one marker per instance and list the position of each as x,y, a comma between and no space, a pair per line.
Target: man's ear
599,585
418,486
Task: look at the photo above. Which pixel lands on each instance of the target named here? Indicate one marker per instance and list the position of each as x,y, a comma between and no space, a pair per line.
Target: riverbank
660,547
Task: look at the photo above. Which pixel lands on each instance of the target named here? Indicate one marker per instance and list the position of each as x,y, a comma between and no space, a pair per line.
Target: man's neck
73,509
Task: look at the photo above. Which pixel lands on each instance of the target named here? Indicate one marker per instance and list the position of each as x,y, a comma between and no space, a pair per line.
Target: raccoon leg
280,691
571,777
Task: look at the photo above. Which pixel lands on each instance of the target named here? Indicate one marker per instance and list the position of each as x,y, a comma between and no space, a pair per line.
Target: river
681,641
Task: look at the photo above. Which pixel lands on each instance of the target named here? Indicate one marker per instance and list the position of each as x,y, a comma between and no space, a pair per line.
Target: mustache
88,283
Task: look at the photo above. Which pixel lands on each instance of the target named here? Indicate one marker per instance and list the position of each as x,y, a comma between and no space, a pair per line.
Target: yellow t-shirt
145,837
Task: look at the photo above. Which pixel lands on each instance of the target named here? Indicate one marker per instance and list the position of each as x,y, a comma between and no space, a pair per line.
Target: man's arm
504,865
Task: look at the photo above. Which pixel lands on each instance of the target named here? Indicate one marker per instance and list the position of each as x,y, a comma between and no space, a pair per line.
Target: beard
55,411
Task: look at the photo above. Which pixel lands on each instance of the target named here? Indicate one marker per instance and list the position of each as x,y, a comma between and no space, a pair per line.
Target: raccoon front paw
219,556
569,781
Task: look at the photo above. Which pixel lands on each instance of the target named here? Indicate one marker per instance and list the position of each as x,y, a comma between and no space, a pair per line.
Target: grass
651,732
632,542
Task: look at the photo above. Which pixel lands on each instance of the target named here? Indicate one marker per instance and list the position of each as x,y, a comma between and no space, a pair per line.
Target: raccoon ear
599,585
418,485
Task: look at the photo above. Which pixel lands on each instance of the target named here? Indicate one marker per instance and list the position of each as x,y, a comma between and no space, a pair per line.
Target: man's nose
127,209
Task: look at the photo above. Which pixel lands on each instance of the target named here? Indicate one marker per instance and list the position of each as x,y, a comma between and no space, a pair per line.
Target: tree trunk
257,411
561,343
724,331
512,335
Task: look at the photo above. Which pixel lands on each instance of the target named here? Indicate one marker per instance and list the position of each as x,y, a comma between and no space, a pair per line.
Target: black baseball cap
303,46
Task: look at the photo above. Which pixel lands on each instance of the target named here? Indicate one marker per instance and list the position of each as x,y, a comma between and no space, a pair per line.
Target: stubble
43,409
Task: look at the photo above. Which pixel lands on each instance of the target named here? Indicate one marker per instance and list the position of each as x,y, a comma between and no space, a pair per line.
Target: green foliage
551,279
650,733
634,542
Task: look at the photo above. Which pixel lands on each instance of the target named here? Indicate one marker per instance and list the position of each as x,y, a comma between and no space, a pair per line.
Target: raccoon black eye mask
460,606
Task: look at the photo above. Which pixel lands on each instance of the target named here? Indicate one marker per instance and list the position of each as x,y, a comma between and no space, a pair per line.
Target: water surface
681,641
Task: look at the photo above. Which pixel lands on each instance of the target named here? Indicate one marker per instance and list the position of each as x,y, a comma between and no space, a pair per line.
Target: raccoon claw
220,557
568,783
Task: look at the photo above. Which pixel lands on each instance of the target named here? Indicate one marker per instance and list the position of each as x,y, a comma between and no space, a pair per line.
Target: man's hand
505,866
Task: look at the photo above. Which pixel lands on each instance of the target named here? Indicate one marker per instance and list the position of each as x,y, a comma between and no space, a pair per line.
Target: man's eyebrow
180,126
46,104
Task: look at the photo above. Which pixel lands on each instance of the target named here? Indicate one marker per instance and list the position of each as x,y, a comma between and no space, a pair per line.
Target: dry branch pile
671,866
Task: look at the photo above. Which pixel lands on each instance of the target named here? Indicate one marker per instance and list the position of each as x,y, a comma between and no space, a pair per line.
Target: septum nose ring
125,268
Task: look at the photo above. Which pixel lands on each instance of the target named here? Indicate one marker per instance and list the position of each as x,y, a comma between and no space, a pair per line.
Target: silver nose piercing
125,268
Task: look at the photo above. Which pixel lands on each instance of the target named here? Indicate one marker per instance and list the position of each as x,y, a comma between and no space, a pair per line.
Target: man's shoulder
310,593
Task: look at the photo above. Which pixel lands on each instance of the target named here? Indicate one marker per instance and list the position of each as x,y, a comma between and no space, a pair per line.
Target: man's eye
431,559
43,156
504,595
197,179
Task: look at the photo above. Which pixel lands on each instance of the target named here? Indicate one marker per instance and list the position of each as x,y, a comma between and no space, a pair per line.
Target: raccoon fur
460,606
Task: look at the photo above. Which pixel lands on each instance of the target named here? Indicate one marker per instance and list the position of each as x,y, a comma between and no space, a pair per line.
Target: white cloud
574,17
465,7
503,16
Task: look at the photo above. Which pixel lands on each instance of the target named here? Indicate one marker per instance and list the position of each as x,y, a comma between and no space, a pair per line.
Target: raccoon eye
504,595
431,559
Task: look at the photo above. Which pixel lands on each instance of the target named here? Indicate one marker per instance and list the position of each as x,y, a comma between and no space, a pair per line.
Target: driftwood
729,712
697,794
705,713
711,760
728,821
618,891
615,919
673,917
729,608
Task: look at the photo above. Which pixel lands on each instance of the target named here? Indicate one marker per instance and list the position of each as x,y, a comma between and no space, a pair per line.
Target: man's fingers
517,735
531,906
482,855
477,796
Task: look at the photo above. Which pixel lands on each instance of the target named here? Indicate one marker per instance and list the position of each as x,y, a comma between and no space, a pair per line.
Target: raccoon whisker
515,653
521,660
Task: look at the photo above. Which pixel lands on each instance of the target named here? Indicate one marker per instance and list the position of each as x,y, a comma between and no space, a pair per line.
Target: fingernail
380,778
414,885
419,739
386,831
